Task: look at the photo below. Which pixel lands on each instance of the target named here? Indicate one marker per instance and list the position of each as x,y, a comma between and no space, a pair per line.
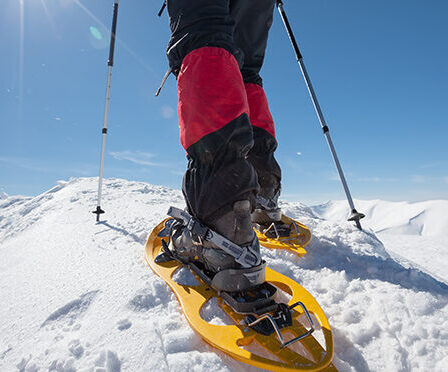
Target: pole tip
98,211
356,216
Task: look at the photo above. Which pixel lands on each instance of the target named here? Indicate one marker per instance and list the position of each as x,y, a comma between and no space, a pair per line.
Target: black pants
216,51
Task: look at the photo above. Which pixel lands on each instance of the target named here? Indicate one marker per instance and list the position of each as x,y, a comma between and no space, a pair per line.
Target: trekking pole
110,64
354,215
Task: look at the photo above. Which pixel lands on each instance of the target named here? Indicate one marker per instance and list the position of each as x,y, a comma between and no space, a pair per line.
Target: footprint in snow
3,354
76,349
107,361
26,365
149,297
62,365
124,324
70,312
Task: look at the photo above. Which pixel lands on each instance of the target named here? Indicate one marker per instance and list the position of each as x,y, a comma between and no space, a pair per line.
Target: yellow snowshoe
267,334
289,234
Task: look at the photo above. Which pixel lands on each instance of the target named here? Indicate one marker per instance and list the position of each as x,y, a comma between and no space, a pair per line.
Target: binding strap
246,256
268,204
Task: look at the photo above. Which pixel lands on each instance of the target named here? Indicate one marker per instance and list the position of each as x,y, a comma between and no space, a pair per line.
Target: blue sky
380,70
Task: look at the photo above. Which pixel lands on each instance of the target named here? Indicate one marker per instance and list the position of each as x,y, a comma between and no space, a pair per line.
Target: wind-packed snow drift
77,295
415,234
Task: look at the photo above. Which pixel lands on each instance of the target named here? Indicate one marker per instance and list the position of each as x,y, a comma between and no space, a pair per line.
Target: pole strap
246,256
162,9
168,72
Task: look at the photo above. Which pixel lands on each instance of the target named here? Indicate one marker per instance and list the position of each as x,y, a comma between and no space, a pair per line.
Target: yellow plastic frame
229,338
296,242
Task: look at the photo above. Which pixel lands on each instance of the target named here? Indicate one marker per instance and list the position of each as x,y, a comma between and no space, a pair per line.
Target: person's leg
213,109
220,184
199,23
253,20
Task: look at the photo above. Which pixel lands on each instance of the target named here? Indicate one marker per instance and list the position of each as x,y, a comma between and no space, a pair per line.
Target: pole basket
98,211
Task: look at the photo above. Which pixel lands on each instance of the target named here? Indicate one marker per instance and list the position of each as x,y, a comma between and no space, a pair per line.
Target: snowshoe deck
238,340
296,240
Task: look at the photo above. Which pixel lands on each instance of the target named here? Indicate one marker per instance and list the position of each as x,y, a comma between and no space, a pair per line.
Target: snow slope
78,296
415,234
428,218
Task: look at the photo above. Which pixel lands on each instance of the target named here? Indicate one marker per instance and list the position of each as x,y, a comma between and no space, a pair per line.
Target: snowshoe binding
230,262
277,231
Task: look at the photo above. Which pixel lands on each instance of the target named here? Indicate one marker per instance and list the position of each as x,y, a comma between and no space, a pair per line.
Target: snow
426,218
78,296
415,234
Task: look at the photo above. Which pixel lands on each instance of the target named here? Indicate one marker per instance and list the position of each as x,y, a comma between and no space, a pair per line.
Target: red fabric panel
211,93
260,116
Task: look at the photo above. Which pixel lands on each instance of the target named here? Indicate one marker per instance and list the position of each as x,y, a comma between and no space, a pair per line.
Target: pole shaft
326,130
317,107
104,134
110,63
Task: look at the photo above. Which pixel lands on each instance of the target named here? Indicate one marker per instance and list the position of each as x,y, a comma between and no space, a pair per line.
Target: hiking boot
228,274
266,208
267,215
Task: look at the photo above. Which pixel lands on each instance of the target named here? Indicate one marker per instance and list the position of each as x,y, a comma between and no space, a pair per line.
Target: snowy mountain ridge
78,296
427,218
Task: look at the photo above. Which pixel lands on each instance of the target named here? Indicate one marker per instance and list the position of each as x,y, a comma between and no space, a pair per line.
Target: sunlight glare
128,49
48,15
95,33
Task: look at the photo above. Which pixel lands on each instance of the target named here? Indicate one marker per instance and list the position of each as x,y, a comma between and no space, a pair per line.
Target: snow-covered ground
415,234
77,295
